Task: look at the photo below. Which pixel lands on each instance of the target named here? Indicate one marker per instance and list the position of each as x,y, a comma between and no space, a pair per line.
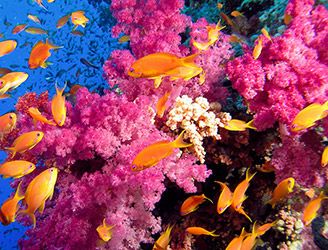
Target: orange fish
34,18
105,231
164,240
219,6
7,47
25,142
192,203
51,1
236,13
257,49
11,81
238,125
37,116
58,107
18,28
324,157
261,230
266,167
38,191
236,243
200,231
287,18
161,104
282,190
239,194
36,31
186,73
312,208
225,198
39,2
62,21
227,19
40,53
249,240
78,19
4,96
152,154
124,39
16,169
309,115
266,34
235,39
7,123
213,35
74,89
155,66
10,207
77,33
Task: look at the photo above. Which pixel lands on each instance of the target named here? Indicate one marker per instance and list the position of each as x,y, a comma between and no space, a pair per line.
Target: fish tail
212,233
248,177
322,195
31,215
208,199
12,150
52,45
19,195
179,143
242,211
250,125
59,91
271,202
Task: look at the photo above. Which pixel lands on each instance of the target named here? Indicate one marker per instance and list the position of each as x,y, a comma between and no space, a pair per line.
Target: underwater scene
163,124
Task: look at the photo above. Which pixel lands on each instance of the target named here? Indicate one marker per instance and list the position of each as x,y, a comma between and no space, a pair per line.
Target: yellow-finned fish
7,123
312,208
282,190
236,243
324,157
34,18
192,203
152,154
40,53
239,125
38,191
18,28
163,241
62,21
161,104
79,19
225,198
258,48
105,231
10,207
200,231
38,117
12,81
58,107
36,31
25,142
266,34
16,169
7,47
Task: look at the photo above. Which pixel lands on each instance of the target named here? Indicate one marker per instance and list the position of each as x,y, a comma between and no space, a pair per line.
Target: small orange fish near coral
7,47
161,104
36,31
40,53
219,6
312,208
261,230
225,198
238,125
25,142
236,243
192,203
200,231
287,18
236,13
155,152
18,28
249,240
39,2
78,19
62,21
11,81
124,39
38,117
7,123
58,107
324,157
213,35
10,207
16,169
309,115
163,241
282,190
266,34
38,191
257,49
105,231
34,18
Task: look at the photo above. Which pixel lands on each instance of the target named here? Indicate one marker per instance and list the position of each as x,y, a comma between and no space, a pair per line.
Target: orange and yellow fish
7,47
225,198
152,154
38,191
40,53
34,18
16,169
105,231
287,18
74,89
11,81
161,104
164,240
78,19
38,117
324,157
257,49
266,34
18,28
281,191
200,231
62,21
213,35
261,230
192,203
309,115
36,31
238,125
236,13
219,6
312,208
39,2
227,19
58,107
25,142
124,39
7,123
236,243
10,207
249,241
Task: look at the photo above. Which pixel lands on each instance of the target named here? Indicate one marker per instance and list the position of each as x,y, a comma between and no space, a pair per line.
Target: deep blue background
95,46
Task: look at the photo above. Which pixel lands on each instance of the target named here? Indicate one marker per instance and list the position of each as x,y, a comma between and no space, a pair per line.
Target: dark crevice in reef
87,166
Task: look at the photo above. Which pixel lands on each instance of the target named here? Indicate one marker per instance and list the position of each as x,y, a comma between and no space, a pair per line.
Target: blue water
95,46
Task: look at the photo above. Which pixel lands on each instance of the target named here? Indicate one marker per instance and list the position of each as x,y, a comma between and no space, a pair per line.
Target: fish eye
38,134
11,117
51,170
31,165
131,70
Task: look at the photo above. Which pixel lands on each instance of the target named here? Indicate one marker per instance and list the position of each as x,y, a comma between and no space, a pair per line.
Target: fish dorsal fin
180,143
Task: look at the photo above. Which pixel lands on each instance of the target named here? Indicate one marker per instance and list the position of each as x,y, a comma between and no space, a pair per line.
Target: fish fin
322,195
5,177
241,211
12,150
60,91
202,77
74,28
212,233
207,199
249,178
41,208
271,202
250,125
52,45
44,65
31,215
179,143
19,195
189,60
157,81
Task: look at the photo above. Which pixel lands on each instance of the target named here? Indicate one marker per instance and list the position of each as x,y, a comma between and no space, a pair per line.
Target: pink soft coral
290,73
94,151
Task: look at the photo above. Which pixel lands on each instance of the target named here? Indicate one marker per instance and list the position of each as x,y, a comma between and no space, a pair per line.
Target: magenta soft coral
290,73
94,151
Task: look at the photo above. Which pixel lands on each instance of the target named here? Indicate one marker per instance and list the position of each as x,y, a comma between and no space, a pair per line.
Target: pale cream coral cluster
199,118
